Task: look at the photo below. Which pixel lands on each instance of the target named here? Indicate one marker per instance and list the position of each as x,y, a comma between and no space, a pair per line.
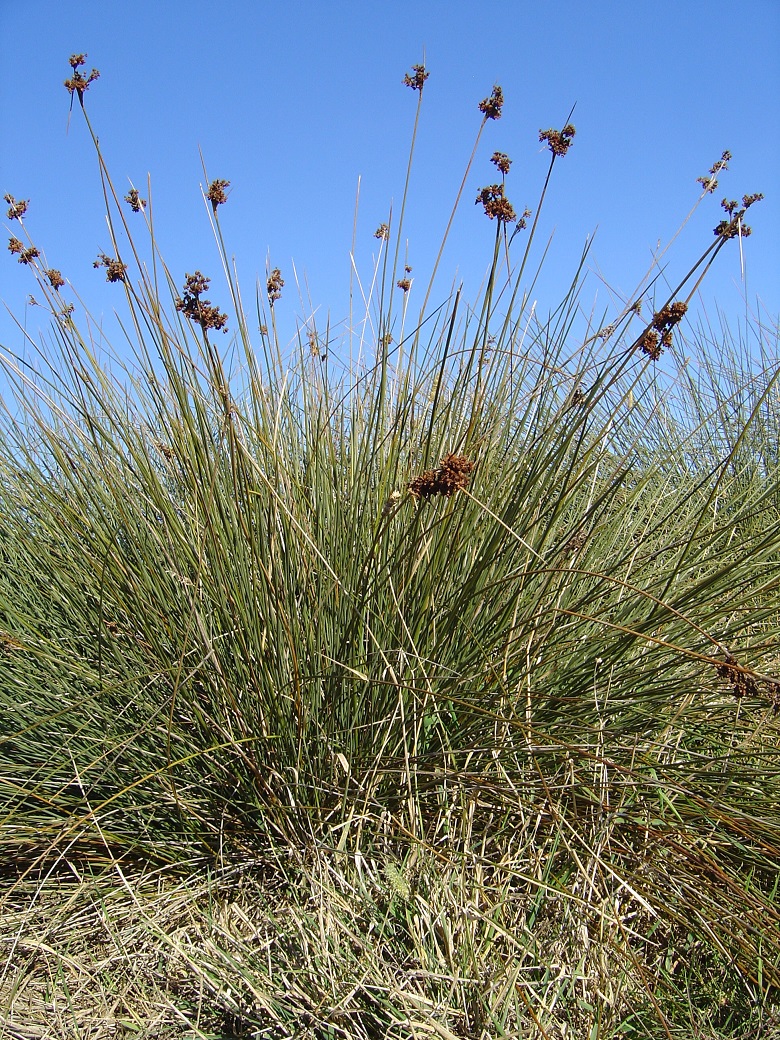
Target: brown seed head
496,204
216,193
710,183
382,232
453,475
417,80
491,106
501,161
79,83
197,310
56,281
405,284
134,201
559,141
115,269
648,344
16,210
274,285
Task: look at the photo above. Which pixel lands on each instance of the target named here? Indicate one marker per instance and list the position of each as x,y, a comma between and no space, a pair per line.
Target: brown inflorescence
79,83
453,475
200,311
491,106
274,285
216,193
16,210
25,255
710,183
115,269
659,335
501,161
649,344
382,232
741,682
417,80
134,201
496,203
405,284
56,281
559,141
733,227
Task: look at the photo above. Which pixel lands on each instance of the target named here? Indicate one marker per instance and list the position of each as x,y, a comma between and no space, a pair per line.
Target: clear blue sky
292,102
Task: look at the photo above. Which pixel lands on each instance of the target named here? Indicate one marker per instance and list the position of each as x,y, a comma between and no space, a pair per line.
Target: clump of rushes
710,183
16,210
453,475
216,193
733,226
200,311
417,78
115,269
79,83
134,201
491,106
559,141
274,286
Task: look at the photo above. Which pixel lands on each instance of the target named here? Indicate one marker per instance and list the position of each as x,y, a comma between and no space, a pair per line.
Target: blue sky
294,102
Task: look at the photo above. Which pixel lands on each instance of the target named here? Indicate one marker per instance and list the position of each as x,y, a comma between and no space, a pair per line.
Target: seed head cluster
745,684
79,83
134,201
16,210
733,226
416,80
26,256
710,183
496,203
501,161
115,269
216,193
274,285
382,232
491,106
56,281
654,339
200,311
453,475
559,141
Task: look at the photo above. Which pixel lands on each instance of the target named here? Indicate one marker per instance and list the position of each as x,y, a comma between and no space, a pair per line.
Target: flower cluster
659,334
559,141
115,269
16,210
216,193
496,203
733,227
491,106
79,83
453,475
416,81
274,285
200,311
501,161
710,183
382,232
134,201
25,255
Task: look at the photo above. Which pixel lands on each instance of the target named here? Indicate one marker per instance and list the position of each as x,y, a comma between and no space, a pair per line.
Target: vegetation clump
289,752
